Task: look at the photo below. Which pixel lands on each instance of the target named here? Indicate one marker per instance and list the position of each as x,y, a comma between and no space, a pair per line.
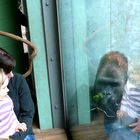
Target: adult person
19,92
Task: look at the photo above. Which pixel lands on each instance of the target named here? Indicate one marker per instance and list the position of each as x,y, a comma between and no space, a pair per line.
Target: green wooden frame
40,66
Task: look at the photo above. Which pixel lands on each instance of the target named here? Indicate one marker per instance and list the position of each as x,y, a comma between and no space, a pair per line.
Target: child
8,120
130,105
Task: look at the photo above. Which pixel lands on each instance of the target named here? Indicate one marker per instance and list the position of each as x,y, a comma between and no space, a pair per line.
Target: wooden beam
40,64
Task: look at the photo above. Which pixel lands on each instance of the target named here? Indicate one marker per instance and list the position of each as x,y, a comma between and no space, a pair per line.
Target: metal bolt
51,59
55,107
47,4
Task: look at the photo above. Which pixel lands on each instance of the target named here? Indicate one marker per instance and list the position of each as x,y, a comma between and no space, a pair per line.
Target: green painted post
84,37
72,28
9,22
81,63
68,60
40,64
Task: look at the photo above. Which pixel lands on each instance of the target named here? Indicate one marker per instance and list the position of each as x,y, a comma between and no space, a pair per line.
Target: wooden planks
51,134
89,132
85,132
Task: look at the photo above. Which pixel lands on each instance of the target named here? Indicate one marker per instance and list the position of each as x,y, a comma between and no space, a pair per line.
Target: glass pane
93,93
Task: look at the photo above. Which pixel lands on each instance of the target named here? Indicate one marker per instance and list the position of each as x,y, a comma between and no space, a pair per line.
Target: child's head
7,62
134,73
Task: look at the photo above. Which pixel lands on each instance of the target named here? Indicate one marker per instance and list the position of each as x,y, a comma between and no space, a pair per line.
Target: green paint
40,64
81,63
72,28
9,22
68,59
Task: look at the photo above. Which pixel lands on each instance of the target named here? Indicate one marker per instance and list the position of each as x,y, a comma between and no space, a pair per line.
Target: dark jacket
23,104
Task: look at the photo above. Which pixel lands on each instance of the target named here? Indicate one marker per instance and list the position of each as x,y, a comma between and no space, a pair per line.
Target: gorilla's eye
114,84
107,82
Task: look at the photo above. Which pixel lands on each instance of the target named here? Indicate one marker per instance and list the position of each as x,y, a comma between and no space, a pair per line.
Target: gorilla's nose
107,93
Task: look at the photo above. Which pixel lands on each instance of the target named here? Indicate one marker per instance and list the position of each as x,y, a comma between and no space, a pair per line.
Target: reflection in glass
88,30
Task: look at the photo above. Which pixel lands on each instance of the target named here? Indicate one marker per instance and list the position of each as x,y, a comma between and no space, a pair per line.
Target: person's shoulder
18,77
17,74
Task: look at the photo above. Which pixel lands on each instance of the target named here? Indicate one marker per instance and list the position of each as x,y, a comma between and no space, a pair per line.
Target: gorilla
109,83
107,93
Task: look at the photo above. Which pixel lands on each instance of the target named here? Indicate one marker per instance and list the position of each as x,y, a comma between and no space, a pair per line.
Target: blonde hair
2,77
134,73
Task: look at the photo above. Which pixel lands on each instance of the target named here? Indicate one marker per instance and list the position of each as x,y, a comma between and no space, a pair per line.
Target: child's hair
134,73
2,77
7,62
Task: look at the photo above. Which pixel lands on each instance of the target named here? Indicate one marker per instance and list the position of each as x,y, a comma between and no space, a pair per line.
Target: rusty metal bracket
34,49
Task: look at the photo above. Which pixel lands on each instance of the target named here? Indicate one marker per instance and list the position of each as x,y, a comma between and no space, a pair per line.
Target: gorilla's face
108,89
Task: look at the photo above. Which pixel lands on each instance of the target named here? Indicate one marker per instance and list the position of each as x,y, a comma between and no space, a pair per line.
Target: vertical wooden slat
67,59
40,66
81,63
72,35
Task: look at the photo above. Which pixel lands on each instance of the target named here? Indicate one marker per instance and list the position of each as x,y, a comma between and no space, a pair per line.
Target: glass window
88,30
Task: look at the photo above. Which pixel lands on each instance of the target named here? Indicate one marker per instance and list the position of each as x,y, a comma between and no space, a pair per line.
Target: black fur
109,83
